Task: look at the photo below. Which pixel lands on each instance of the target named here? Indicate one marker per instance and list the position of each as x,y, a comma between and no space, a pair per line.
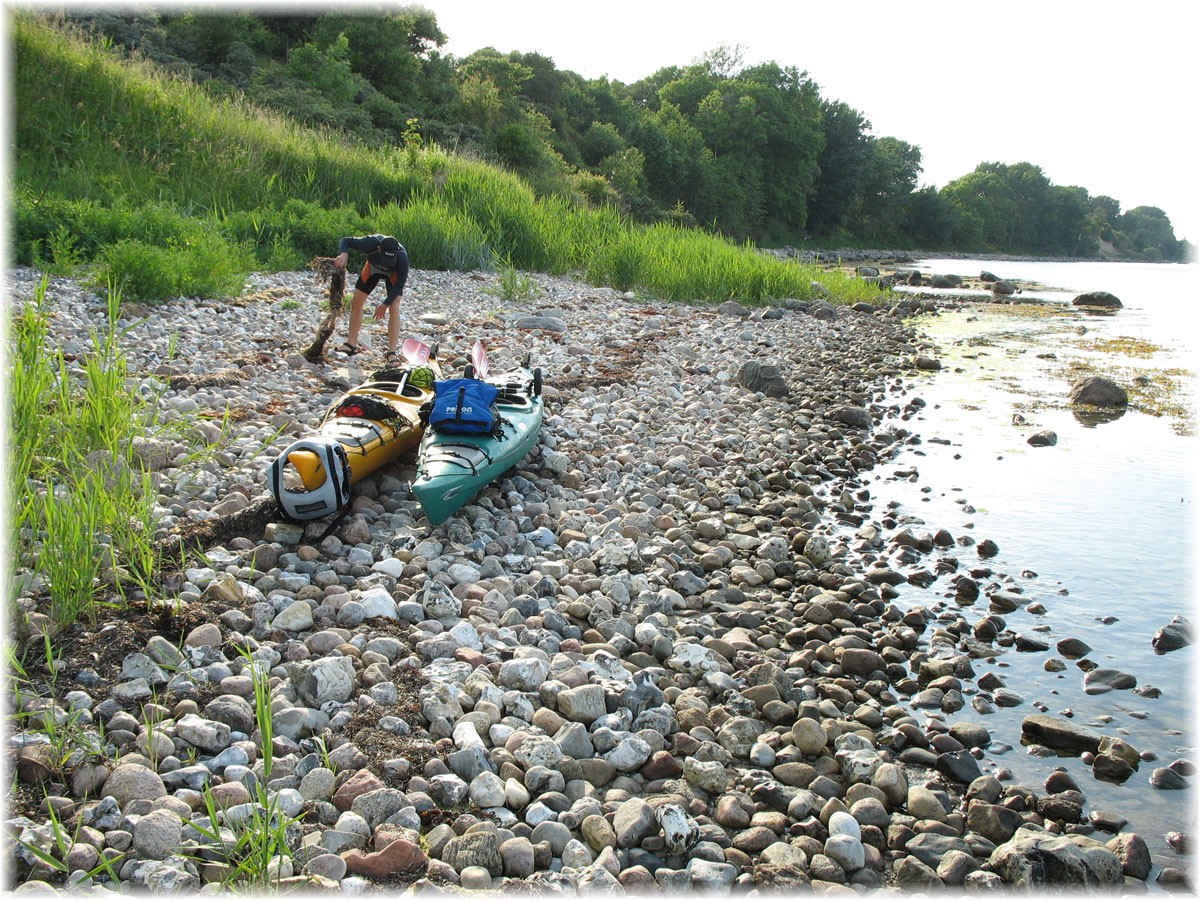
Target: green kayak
453,468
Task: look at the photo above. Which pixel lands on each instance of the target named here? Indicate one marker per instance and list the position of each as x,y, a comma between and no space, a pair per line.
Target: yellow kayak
368,427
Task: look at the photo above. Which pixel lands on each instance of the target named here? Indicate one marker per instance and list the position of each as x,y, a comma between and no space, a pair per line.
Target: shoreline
668,525
900,257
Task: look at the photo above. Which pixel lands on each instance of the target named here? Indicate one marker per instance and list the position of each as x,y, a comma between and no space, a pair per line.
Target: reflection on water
1091,416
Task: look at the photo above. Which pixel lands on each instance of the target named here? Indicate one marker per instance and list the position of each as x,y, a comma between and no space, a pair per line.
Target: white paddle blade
479,360
415,352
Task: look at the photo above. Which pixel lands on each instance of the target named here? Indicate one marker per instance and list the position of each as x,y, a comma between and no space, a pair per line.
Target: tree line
751,152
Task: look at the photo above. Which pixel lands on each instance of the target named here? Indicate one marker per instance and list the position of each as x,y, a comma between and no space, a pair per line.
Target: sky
1100,95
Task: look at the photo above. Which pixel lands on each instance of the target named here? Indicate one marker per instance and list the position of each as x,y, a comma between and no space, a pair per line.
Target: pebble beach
660,655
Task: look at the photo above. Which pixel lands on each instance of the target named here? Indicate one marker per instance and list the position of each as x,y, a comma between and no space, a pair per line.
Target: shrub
141,271
315,230
210,266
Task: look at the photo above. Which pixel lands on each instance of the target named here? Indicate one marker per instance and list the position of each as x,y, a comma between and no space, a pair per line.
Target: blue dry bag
463,406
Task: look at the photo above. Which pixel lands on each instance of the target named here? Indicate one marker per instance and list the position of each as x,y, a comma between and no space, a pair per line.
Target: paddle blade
415,352
479,360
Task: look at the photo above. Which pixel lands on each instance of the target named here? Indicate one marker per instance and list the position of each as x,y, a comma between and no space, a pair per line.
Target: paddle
479,360
415,352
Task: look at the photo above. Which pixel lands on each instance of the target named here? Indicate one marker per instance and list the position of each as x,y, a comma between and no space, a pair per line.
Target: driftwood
324,268
211,532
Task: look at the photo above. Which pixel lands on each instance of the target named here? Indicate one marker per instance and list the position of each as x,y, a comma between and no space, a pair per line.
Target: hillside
168,190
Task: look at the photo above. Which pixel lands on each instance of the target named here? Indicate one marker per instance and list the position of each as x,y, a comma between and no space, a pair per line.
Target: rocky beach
662,654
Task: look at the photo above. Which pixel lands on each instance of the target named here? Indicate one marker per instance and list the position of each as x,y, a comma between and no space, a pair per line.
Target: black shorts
369,278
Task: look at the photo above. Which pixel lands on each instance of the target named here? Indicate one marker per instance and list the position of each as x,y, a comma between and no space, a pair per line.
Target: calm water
1104,524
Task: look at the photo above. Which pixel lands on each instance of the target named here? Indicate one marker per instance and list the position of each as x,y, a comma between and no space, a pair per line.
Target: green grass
166,191
81,502
252,850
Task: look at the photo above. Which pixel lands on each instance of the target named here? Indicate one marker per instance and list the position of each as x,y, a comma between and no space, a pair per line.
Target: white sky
1100,94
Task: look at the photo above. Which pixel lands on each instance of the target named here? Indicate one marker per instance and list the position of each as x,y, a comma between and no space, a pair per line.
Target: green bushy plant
142,271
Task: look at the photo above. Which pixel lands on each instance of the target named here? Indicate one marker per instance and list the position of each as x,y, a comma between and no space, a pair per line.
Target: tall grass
81,501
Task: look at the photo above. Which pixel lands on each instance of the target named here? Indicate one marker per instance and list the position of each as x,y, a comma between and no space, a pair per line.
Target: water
1104,524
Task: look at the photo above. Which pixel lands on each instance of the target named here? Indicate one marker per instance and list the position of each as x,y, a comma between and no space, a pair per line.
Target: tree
599,141
983,207
842,167
387,49
931,219
1069,228
891,174
1148,232
327,71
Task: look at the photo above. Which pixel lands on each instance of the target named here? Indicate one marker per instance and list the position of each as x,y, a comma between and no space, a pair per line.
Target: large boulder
1098,391
1032,859
944,281
764,378
1175,634
1097,298
1059,734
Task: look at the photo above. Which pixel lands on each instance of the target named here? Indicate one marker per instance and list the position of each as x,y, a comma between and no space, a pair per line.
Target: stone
634,821
129,782
763,378
1059,734
1033,859
475,848
157,834
1172,636
1097,298
401,856
1103,680
1096,390
1133,853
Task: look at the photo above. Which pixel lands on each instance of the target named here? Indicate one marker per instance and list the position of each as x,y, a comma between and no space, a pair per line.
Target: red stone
400,855
361,782
471,657
662,765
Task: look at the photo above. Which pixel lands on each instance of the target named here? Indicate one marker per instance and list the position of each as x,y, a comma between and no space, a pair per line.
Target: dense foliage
753,153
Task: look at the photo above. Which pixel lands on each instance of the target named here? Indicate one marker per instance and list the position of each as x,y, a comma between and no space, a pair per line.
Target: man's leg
356,316
393,315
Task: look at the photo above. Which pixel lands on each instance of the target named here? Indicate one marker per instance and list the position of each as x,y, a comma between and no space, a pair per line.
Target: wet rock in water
1097,298
1179,841
763,378
1175,634
1096,390
1167,779
1045,438
1106,767
1073,648
987,548
1059,734
1133,854
928,363
1103,680
1171,876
